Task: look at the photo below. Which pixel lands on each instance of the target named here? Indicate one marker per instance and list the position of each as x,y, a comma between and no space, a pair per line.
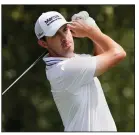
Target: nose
63,36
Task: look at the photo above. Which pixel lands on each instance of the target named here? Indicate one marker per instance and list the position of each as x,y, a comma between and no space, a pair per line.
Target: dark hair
43,38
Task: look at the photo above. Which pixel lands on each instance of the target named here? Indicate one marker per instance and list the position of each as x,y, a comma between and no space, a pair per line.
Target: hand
79,28
84,16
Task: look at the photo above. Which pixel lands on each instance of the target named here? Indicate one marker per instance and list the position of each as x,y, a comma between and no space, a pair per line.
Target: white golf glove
84,16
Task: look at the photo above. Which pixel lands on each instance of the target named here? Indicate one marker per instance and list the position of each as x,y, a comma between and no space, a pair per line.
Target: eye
65,29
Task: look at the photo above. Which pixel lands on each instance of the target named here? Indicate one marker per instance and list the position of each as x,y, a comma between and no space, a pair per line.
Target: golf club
24,72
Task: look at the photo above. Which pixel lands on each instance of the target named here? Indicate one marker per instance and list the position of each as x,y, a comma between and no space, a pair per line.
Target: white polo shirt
78,94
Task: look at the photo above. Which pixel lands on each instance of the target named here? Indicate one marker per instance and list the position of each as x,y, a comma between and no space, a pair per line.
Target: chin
71,48
69,54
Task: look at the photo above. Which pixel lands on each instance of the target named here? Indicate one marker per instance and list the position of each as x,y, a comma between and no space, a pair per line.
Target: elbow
123,54
120,54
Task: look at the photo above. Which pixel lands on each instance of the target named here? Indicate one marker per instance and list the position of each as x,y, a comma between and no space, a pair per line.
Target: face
61,44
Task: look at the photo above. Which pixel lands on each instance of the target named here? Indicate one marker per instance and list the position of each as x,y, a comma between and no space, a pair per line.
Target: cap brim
55,27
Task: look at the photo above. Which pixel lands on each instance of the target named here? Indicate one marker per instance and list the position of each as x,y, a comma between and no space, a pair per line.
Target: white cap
49,23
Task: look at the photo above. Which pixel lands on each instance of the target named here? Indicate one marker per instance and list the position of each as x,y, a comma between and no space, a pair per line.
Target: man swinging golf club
75,87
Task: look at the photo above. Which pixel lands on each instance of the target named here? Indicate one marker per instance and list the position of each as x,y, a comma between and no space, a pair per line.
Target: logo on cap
40,34
52,19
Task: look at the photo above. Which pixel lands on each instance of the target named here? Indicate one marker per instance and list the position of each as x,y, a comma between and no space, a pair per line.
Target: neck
57,55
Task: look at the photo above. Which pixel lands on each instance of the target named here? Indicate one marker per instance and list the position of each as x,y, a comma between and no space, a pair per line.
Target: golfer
75,87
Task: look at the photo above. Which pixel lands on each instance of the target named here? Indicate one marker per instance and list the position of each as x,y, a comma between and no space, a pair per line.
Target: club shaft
23,73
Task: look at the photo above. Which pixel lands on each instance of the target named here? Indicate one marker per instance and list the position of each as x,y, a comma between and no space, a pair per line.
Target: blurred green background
28,106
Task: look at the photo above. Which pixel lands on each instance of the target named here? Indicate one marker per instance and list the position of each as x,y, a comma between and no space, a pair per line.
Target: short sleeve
77,72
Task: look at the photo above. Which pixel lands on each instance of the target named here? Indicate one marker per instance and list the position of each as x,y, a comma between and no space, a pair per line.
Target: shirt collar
50,61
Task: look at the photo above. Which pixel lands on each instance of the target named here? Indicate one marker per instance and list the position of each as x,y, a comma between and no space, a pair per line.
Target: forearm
102,40
98,49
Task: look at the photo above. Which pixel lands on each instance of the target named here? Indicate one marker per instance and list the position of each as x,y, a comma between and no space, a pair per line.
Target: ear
42,43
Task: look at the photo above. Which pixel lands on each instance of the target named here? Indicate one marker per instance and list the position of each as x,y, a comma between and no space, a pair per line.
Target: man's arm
113,53
98,50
